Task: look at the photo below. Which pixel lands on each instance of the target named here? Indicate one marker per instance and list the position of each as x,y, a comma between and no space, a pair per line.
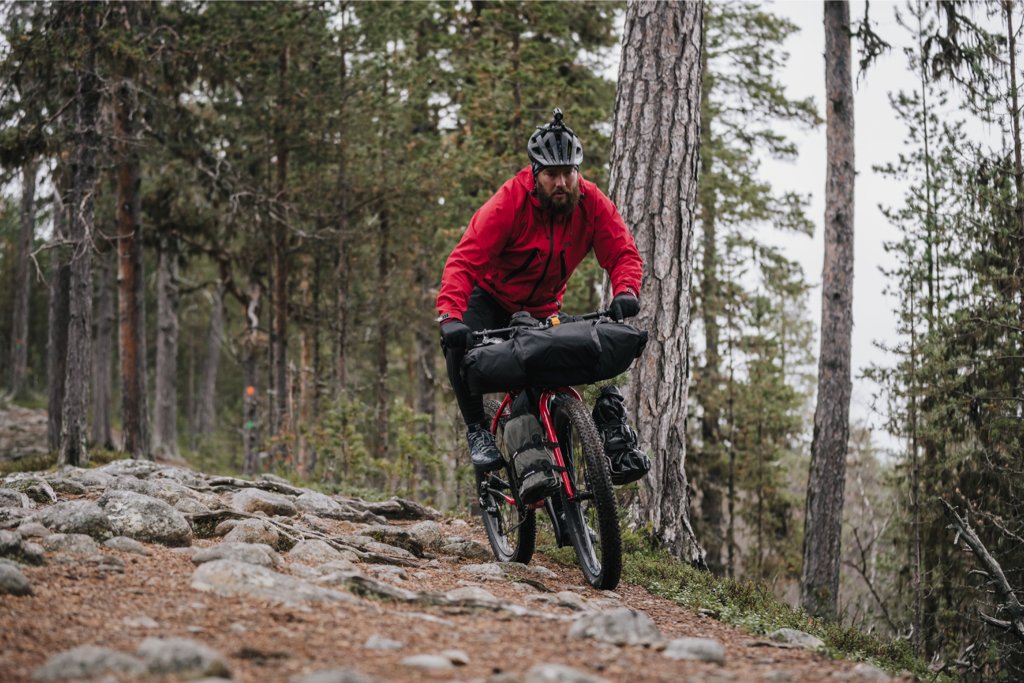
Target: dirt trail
78,600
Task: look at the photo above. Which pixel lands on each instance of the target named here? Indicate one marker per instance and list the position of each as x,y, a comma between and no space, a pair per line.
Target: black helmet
554,145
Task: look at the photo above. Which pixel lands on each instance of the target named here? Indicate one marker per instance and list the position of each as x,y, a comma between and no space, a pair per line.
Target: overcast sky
878,138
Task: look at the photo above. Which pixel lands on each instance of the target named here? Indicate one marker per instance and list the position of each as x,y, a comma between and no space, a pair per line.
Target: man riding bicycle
517,254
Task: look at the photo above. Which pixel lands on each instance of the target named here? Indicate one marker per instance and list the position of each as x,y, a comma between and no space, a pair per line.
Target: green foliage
751,606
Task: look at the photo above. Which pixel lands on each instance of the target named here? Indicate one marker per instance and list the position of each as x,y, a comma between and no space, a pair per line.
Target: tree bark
57,315
279,258
165,415
655,157
819,579
79,341
344,259
306,380
22,281
383,333
206,414
132,338
103,356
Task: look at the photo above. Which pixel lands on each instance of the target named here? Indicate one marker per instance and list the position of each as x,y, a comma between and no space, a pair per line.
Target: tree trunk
279,256
250,373
655,185
819,580
103,378
344,259
79,341
306,380
165,415
57,317
206,414
383,333
132,338
22,281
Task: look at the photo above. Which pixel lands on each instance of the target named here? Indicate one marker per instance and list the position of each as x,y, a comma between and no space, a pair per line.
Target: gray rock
795,638
491,570
140,622
13,547
396,508
33,486
387,550
10,517
334,676
182,656
395,536
77,477
190,506
75,517
180,475
566,599
470,596
250,553
620,626
145,518
72,544
468,550
67,486
253,531
12,581
9,498
135,468
88,661
379,642
862,673
33,530
366,587
428,662
257,500
316,552
127,545
559,673
520,569
229,578
700,649
321,505
428,533
456,657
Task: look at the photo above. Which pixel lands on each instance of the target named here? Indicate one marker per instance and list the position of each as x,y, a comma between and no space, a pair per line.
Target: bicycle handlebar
546,324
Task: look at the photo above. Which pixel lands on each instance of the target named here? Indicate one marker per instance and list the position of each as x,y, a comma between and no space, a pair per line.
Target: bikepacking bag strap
572,353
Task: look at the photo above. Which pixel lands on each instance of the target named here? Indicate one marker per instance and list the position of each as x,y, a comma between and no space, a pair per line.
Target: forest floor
83,603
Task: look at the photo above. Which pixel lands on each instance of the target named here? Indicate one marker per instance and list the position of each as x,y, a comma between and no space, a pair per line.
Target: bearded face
558,188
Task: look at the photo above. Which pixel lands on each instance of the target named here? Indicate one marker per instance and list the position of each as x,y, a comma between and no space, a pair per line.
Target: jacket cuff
448,317
627,290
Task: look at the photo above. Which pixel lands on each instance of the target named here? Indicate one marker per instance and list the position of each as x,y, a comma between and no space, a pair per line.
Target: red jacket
523,255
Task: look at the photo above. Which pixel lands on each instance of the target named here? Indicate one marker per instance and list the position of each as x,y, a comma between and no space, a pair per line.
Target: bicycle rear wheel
511,528
592,515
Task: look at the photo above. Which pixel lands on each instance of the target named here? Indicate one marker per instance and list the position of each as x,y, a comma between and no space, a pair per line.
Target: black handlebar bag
562,355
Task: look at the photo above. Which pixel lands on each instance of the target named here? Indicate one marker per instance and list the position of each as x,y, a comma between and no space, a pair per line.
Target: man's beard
562,204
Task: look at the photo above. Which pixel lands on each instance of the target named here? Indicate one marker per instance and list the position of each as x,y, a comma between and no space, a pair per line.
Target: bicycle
583,511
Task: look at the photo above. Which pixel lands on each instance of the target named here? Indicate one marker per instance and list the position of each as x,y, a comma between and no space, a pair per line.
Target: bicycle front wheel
511,528
592,514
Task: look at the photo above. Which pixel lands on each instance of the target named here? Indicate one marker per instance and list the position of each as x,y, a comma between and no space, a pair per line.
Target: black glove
624,305
454,334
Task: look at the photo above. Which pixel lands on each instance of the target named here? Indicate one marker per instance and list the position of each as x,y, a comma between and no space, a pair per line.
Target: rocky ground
141,571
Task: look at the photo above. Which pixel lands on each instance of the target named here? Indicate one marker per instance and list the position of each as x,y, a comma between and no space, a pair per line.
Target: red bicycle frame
546,397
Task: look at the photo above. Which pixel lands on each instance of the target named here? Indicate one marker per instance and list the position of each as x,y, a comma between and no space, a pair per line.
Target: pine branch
1011,605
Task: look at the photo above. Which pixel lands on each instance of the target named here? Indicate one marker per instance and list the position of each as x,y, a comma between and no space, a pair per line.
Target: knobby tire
599,555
